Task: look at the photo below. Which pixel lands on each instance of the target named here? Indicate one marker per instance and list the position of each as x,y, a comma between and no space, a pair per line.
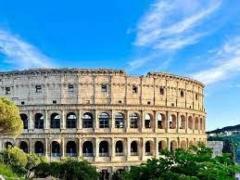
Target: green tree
10,121
194,163
69,169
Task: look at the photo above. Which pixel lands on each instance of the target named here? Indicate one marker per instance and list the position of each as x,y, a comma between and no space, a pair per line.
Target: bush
67,169
7,172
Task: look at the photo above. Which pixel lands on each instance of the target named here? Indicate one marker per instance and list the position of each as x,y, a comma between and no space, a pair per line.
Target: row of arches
119,119
103,148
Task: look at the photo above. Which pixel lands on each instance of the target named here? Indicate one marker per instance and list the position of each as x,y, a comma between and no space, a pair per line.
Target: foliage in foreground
67,169
10,121
193,164
7,172
21,163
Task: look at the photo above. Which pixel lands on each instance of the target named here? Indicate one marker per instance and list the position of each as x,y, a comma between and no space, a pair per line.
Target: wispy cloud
170,25
226,63
21,54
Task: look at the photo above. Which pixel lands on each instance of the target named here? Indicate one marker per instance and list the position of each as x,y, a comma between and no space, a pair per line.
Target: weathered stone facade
105,116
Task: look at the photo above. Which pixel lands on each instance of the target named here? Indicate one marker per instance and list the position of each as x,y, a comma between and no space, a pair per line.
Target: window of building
38,88
71,121
87,120
161,91
104,87
134,89
104,120
134,118
119,120
70,88
181,93
7,90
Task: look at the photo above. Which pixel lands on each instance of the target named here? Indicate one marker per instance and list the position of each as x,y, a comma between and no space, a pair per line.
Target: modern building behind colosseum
105,116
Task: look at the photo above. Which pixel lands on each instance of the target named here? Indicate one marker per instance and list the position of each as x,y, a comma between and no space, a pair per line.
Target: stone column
79,122
80,151
31,120
112,123
63,147
155,120
96,122
177,123
112,148
186,123
46,147
31,145
167,122
155,147
141,148
127,121
128,148
96,148
63,120
46,124
142,124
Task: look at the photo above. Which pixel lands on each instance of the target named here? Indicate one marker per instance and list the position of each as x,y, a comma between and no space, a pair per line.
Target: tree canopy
194,163
10,121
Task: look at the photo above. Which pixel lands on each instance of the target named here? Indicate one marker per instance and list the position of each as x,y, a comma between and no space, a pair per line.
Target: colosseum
105,116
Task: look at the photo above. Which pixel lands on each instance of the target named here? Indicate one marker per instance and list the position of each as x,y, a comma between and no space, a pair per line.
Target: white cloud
168,22
227,63
21,54
171,25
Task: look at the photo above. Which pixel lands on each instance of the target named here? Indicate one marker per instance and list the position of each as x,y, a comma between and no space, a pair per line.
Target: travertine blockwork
105,116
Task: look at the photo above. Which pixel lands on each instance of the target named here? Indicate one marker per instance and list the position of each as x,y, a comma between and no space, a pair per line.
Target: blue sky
199,39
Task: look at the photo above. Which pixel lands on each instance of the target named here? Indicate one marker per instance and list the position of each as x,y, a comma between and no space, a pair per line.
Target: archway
87,149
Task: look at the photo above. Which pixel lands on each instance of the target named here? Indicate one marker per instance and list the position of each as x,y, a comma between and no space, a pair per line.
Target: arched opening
103,120
148,121
24,120
162,145
55,149
134,119
161,121
182,122
39,148
24,146
55,121
39,121
87,149
71,120
173,146
183,144
8,145
119,120
134,148
119,148
196,123
190,122
87,119
103,149
148,148
172,121
71,148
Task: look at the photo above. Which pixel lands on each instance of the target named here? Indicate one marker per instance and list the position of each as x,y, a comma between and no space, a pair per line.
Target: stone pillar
80,151
186,123
127,123
112,122
46,147
63,120
96,148
155,120
79,122
156,147
167,122
46,123
141,124
96,122
168,144
141,148
128,148
112,148
31,120
177,122
31,145
63,147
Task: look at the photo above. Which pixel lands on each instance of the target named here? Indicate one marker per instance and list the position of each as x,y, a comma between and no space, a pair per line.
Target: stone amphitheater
105,116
